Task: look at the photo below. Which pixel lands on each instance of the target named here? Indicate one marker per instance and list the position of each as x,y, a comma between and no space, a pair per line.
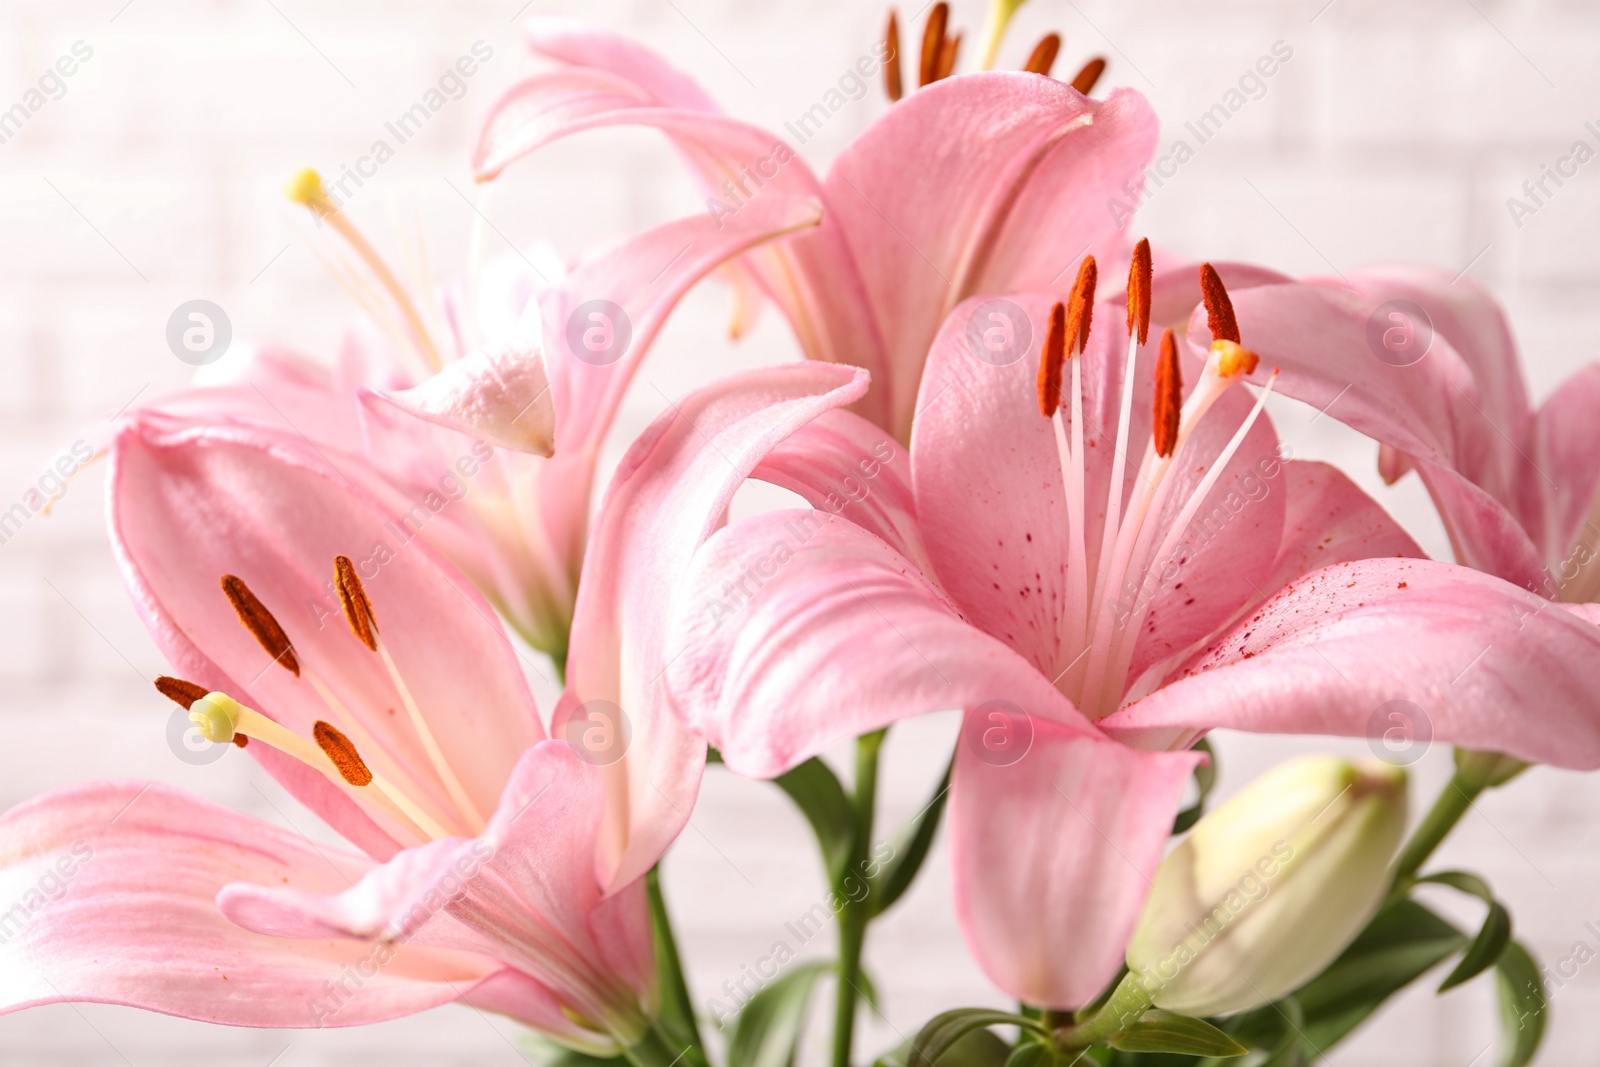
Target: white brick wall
1396,132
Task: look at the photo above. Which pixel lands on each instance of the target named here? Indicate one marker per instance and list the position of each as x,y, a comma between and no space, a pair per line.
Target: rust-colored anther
1080,305
179,691
891,59
1051,359
1219,309
357,608
1085,79
947,56
1140,274
337,747
240,740
261,624
1043,56
933,43
1168,398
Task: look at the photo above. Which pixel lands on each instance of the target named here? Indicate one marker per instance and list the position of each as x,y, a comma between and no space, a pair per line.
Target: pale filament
436,756
259,729
1098,647
370,746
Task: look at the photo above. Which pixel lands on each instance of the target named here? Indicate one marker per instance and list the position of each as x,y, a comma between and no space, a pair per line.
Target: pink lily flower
1095,586
488,862
984,183
1426,365
477,422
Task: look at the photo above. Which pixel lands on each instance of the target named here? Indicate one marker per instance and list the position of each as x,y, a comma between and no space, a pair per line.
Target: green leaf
769,1026
1401,943
940,1034
1167,1031
1205,776
977,1048
1522,1005
911,846
1465,881
821,799
1485,950
1032,1056
1493,936
1273,1029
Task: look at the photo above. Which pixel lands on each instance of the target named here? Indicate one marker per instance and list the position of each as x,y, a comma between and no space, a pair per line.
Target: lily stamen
932,44
891,59
1084,81
1043,56
306,188
1099,624
358,613
274,640
221,719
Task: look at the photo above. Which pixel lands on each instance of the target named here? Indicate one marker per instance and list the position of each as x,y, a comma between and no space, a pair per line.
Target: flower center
1103,611
395,794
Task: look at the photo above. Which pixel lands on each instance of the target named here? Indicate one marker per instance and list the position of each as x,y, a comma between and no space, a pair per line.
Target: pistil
306,189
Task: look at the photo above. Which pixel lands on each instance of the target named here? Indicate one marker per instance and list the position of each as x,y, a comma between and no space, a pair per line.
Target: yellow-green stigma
216,716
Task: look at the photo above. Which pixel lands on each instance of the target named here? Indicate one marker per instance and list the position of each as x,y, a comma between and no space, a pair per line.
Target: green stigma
214,715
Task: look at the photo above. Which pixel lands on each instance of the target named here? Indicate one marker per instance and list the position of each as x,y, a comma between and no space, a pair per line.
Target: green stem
853,918
652,1050
1452,803
1121,1010
677,1007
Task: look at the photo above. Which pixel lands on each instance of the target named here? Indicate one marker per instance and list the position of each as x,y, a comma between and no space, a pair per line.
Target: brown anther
891,59
337,747
933,43
357,608
1084,80
1043,56
947,57
1051,359
259,621
1219,309
1169,396
1080,305
1139,282
240,740
179,691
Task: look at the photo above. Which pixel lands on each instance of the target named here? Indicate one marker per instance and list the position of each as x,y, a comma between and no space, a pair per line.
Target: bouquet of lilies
1038,486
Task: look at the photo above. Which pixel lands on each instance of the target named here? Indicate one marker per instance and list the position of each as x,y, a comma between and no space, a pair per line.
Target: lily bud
1270,887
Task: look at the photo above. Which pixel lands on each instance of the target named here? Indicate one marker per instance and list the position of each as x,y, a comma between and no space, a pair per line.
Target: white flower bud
1270,887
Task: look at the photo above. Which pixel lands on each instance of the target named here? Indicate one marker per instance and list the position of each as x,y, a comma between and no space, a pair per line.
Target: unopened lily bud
1269,888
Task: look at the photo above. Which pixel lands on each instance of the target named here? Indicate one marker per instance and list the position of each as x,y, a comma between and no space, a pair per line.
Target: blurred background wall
1393,132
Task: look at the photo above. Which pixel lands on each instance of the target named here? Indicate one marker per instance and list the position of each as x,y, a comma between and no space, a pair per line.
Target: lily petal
190,506
1463,653
844,465
668,495
797,629
1052,856
115,885
524,892
987,183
